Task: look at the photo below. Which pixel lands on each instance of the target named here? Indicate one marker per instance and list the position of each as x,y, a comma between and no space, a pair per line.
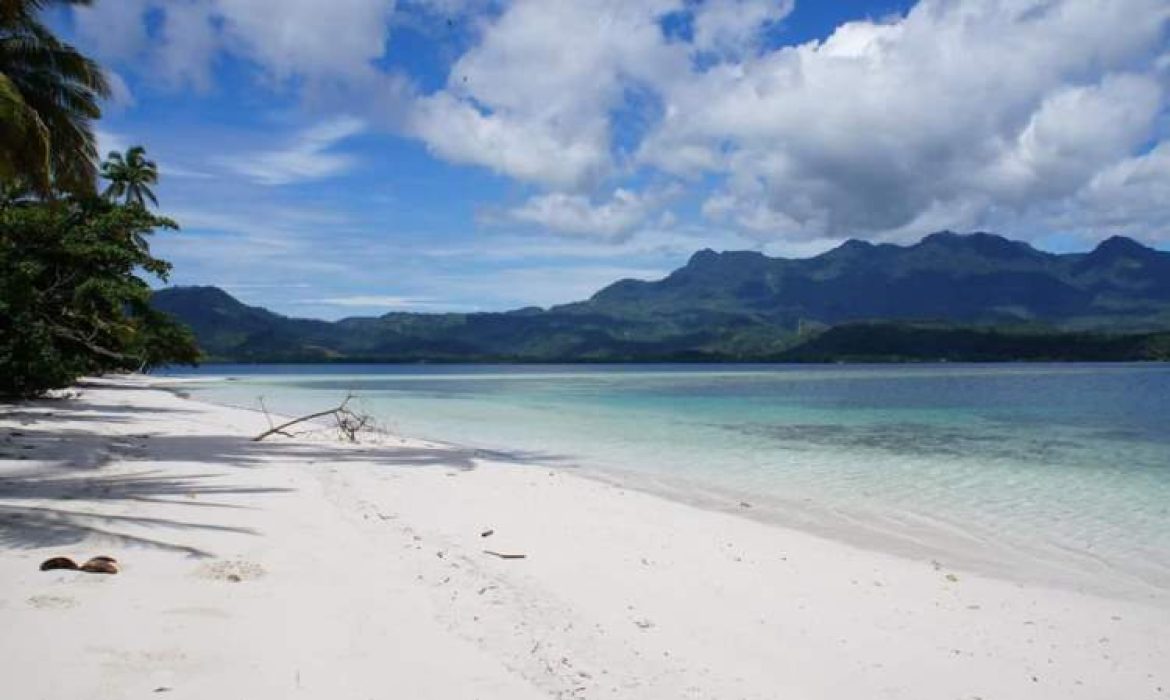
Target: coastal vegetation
74,298
76,268
949,297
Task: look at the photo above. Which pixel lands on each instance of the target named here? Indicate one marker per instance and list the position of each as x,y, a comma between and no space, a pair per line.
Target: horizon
423,165
377,314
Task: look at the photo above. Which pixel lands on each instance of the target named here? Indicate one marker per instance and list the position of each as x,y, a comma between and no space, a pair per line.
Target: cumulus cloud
959,113
1131,197
971,106
732,27
305,39
578,215
512,144
534,98
308,157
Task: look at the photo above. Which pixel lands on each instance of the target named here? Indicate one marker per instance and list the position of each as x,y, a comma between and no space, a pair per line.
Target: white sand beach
307,568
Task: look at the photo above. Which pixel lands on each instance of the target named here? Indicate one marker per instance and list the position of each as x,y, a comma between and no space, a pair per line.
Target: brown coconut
58,563
100,565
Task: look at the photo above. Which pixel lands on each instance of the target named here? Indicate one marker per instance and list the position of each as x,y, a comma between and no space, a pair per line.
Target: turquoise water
1064,468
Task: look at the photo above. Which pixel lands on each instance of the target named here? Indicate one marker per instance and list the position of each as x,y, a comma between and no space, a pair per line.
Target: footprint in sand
52,602
233,571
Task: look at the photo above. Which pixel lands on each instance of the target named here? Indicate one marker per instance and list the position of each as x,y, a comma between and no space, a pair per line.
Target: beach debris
58,563
52,602
349,422
952,578
503,555
487,533
100,565
744,504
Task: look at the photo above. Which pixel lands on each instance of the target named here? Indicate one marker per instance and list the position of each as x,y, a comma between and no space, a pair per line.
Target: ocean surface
1058,471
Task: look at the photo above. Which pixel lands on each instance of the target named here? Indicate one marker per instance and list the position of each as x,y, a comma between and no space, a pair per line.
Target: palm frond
60,85
24,141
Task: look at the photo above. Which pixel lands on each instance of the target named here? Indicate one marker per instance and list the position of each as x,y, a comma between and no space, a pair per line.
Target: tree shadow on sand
41,508
52,501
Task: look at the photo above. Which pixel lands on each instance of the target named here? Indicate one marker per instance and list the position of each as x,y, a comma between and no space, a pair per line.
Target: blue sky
362,156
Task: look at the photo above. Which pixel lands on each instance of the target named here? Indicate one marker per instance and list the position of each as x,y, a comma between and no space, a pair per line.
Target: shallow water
1068,465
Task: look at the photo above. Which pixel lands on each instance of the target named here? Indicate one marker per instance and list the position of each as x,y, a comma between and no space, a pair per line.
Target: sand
305,568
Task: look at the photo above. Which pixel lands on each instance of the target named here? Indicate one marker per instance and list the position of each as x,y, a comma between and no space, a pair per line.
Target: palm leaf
24,140
60,85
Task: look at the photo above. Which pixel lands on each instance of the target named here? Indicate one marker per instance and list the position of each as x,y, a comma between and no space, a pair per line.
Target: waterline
1063,466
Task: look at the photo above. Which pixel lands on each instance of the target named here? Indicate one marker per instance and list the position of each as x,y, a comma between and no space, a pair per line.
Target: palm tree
130,177
49,98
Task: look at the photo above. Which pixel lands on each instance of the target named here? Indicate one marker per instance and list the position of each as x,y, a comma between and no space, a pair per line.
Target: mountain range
957,289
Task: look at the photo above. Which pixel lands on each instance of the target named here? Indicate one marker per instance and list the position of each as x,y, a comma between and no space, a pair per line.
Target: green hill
942,295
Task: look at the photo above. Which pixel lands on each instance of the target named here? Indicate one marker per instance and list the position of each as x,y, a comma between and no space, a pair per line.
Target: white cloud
973,107
308,157
752,213
116,30
961,113
168,169
188,44
732,27
533,99
309,39
369,301
121,96
512,145
1131,197
575,214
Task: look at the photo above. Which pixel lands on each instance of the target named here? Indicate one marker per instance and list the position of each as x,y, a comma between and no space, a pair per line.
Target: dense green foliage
71,298
746,306
907,342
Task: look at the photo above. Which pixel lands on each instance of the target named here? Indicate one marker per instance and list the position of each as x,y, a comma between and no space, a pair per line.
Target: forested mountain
745,305
976,278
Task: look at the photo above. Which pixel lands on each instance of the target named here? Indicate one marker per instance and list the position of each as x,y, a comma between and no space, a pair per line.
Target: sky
354,157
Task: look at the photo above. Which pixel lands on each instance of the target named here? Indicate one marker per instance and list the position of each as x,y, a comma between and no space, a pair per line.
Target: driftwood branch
268,417
349,423
504,555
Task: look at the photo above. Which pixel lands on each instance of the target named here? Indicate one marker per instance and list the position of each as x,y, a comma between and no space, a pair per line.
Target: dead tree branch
349,422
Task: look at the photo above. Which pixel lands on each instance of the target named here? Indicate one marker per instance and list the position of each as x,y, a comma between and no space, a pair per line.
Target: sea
1052,472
